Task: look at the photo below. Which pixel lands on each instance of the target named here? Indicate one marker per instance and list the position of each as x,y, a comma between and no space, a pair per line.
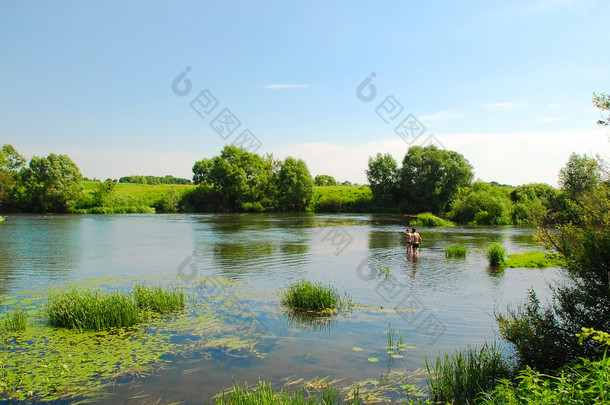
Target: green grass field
341,199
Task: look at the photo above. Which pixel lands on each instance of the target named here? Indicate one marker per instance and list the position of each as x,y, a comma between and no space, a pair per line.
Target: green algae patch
532,260
46,363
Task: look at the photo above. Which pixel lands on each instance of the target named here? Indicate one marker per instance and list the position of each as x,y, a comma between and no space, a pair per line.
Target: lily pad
397,356
357,349
373,359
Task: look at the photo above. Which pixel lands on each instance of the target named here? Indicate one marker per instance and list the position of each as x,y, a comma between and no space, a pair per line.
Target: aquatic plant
1,218
307,296
587,382
534,259
14,321
496,254
456,251
158,299
461,377
429,219
264,394
91,310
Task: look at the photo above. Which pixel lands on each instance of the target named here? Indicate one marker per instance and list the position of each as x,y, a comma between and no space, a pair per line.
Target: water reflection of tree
386,240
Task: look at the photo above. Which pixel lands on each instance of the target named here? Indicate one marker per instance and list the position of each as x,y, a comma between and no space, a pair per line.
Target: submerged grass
14,321
264,394
304,295
158,299
461,377
456,251
46,363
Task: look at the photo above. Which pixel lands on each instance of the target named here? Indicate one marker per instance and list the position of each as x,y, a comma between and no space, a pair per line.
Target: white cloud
505,105
449,114
282,86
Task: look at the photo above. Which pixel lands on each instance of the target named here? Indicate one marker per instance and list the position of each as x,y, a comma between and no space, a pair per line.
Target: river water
451,303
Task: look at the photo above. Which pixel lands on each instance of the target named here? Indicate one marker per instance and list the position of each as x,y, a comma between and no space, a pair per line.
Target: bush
429,219
307,296
456,251
496,254
587,382
460,378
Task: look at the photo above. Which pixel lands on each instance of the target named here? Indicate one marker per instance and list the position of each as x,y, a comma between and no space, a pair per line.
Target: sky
150,87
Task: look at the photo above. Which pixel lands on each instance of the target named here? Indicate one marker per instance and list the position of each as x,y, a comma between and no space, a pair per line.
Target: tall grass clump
496,254
91,310
158,299
264,394
461,377
456,251
14,321
307,296
429,219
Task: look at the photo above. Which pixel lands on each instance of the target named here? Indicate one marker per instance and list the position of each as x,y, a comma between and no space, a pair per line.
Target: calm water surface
454,300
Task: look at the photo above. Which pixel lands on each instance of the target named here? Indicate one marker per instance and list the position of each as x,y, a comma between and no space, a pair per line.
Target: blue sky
506,84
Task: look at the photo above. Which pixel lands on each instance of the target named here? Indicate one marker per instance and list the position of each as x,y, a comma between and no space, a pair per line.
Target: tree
325,180
603,103
10,162
295,185
51,184
382,174
482,204
237,180
578,230
581,173
430,177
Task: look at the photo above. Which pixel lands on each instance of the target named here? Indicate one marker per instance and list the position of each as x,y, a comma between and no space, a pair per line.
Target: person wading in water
415,241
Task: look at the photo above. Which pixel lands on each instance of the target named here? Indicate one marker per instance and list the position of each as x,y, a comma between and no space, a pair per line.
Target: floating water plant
14,321
91,310
304,295
456,251
496,254
1,218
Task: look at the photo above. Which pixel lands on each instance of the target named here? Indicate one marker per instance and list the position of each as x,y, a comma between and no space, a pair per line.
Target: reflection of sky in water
266,252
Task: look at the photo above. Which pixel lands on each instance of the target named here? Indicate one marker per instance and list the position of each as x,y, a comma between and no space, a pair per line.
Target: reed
14,321
462,377
91,310
158,299
496,254
307,296
456,251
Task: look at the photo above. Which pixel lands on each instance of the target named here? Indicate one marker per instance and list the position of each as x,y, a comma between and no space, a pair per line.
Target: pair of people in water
414,239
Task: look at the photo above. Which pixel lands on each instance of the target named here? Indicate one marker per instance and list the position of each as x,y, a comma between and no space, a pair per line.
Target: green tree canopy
581,173
10,163
325,180
383,177
51,183
295,185
430,177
